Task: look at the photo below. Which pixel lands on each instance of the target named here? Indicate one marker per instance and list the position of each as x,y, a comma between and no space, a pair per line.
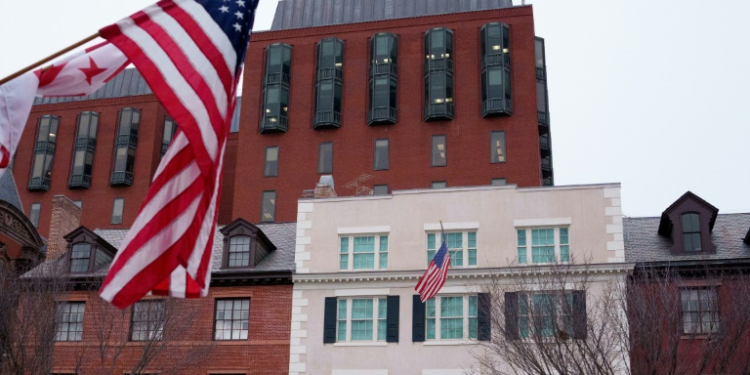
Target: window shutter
579,314
511,315
417,319
391,334
329,321
484,314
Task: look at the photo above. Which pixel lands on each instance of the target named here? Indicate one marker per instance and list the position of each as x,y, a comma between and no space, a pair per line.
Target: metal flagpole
442,233
49,58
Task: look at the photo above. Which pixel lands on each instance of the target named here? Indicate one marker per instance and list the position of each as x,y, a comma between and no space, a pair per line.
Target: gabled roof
665,226
9,190
644,244
295,14
747,237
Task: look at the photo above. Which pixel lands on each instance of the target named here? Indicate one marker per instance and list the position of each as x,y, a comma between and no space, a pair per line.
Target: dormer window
691,232
245,245
88,252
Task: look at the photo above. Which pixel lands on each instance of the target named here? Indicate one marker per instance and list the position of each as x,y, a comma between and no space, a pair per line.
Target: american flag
434,278
191,54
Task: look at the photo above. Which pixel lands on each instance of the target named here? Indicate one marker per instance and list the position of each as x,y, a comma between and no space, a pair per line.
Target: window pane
325,158
498,182
364,253
34,213
117,209
381,154
543,245
232,319
430,314
380,190
239,251
362,323
439,185
268,211
382,318
271,168
438,150
451,313
383,252
497,147
68,321
341,326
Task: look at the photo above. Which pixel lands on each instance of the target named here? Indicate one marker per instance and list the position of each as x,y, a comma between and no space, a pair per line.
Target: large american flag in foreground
434,278
191,53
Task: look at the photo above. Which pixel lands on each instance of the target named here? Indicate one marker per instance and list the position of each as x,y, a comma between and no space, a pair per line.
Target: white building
359,259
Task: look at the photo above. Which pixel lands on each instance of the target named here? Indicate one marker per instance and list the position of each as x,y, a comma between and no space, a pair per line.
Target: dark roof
295,14
9,191
665,227
644,244
128,83
282,235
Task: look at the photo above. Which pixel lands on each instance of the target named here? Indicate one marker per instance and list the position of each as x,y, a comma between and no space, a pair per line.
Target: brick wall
66,217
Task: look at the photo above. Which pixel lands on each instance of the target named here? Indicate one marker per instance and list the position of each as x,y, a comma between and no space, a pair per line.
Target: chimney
325,189
66,217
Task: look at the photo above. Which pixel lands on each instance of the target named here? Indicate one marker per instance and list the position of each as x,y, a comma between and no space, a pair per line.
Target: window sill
356,344
703,336
449,343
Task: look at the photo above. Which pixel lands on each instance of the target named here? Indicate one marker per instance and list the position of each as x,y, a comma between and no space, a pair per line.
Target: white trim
362,343
365,230
362,292
452,226
359,372
449,343
455,290
544,222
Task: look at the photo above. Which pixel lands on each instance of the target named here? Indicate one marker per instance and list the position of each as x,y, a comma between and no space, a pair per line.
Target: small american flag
434,278
191,54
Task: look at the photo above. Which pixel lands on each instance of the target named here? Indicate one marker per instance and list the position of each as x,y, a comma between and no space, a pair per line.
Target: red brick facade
468,153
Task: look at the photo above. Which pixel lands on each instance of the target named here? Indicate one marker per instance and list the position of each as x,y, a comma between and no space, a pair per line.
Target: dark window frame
78,323
434,147
123,174
167,140
266,172
494,158
438,68
503,179
387,155
148,331
215,317
44,145
383,70
277,76
330,73
320,158
263,204
715,312
497,98
692,232
433,183
86,144
375,188
35,221
112,216
259,247
230,246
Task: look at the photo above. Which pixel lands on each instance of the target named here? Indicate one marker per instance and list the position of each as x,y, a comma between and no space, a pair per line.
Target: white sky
650,93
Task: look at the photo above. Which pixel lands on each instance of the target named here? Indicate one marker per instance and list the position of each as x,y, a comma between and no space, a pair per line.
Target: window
362,319
550,314
232,319
383,79
462,247
381,154
496,70
497,147
439,184
79,257
271,168
147,321
452,318
438,74
325,157
547,245
170,127
542,106
34,212
239,251
328,88
498,181
276,84
125,144
700,310
117,208
44,152
363,252
69,321
235,126
691,232
380,190
83,150
438,151
268,210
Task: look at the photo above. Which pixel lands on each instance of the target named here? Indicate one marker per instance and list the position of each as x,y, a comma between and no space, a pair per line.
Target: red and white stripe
433,279
188,62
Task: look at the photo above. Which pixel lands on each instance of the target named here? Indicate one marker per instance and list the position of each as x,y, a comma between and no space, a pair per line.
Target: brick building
21,246
690,290
377,117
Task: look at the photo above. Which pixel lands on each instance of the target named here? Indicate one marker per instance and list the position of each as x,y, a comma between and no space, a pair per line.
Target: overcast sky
649,93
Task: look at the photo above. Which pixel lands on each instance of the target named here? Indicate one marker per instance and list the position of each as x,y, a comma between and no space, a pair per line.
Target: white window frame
350,252
465,316
375,318
464,246
529,247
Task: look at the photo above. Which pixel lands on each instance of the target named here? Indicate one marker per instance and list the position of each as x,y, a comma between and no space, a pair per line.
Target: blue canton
440,255
235,17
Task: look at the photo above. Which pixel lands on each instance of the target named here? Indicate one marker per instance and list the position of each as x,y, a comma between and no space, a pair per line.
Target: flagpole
442,232
49,58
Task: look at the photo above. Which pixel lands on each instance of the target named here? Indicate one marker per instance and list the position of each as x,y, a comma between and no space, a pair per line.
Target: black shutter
391,334
484,315
417,319
329,321
511,315
579,314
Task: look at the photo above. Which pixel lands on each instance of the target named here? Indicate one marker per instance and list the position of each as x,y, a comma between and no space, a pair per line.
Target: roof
9,190
644,244
295,14
282,235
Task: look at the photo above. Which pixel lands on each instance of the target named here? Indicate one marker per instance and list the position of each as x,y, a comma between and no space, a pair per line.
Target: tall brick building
380,95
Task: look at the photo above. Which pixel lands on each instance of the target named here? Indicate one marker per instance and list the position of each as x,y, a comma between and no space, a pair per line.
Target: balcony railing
276,78
382,115
440,64
39,184
385,69
164,148
327,119
491,107
85,143
121,179
544,145
331,73
541,74
80,181
548,182
128,139
44,146
493,60
271,124
438,111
